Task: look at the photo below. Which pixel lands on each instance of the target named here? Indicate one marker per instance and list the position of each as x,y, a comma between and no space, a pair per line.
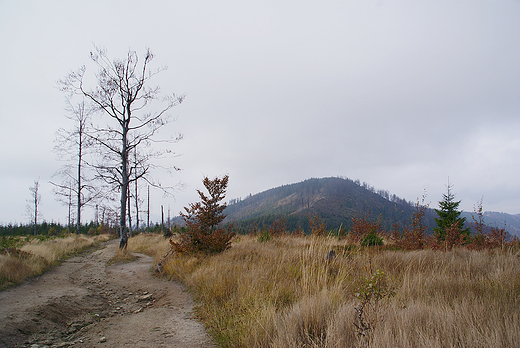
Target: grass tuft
122,255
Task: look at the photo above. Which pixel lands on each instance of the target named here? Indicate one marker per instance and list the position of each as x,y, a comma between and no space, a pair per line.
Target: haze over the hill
398,94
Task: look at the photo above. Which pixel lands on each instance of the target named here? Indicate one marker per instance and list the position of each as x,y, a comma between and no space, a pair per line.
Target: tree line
48,229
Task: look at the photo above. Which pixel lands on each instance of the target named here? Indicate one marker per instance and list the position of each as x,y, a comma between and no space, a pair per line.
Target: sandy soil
86,303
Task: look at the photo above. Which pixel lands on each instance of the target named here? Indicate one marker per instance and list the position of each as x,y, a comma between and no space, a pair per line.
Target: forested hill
334,200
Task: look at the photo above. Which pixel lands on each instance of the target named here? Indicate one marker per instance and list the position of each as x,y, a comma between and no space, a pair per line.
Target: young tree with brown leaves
203,219
362,227
317,226
496,238
414,237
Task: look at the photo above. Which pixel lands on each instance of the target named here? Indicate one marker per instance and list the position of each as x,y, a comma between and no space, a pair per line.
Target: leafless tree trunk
136,206
136,193
122,95
71,146
70,208
129,212
162,219
148,213
33,204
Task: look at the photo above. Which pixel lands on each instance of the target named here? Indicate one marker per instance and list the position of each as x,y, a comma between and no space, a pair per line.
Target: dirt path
85,303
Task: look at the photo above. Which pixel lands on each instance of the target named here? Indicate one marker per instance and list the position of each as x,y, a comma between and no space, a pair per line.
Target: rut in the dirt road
86,303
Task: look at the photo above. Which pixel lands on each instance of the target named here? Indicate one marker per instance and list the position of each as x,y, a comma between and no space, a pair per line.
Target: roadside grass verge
286,293
31,257
153,244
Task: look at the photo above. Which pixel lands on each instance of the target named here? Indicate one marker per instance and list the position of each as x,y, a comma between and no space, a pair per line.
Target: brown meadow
286,293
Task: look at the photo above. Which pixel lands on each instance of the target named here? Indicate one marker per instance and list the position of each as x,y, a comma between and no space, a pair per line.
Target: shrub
264,236
361,227
278,227
317,226
370,295
372,239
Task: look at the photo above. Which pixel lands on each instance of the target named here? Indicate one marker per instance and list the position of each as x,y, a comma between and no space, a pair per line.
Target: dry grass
122,255
35,257
154,245
284,293
56,249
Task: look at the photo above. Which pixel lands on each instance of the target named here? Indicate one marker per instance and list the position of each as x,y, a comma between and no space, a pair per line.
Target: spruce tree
449,215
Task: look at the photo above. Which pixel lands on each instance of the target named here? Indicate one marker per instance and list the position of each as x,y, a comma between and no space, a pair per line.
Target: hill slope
334,200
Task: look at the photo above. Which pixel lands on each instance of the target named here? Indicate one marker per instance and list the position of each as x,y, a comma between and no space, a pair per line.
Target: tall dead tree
136,194
33,205
137,166
71,145
128,122
148,212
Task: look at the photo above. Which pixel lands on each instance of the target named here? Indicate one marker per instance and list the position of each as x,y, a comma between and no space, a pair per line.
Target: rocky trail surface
85,302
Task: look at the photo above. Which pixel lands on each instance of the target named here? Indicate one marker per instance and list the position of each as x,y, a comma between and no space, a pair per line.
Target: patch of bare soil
86,303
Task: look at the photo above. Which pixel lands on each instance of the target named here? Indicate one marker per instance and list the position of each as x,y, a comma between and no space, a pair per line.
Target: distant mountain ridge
511,223
336,200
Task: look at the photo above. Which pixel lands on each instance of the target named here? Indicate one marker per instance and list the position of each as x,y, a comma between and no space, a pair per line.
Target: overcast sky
400,94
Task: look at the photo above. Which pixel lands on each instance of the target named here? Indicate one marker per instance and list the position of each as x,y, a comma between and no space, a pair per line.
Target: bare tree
33,204
71,145
123,97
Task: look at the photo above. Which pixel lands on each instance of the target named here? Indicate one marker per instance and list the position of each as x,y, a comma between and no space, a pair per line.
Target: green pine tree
448,215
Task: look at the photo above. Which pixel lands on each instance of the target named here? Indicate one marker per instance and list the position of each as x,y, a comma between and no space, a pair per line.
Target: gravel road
86,303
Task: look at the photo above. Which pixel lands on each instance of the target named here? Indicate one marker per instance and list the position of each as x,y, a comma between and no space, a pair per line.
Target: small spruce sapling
448,215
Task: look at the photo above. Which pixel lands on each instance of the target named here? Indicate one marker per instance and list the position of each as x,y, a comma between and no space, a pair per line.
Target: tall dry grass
284,293
36,256
153,244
